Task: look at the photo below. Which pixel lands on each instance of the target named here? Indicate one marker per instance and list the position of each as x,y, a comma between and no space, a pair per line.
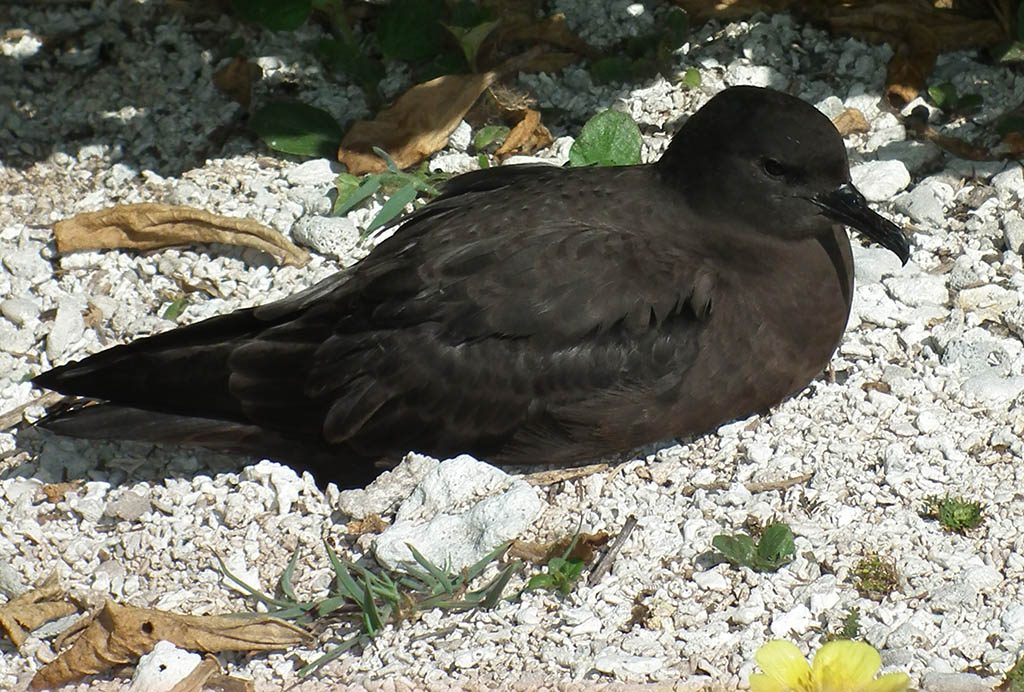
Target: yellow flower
839,666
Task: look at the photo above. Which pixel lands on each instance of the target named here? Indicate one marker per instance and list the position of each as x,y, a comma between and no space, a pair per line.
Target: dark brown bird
531,314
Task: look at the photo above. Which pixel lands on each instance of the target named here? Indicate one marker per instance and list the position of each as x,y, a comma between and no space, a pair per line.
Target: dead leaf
415,126
235,80
850,121
152,226
56,492
541,553
527,136
208,676
551,30
371,523
118,635
910,66
32,609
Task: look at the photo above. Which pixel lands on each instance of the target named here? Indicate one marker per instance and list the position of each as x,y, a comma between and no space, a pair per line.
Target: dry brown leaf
56,492
235,80
541,553
528,135
551,30
152,226
850,121
371,523
24,613
415,126
208,676
119,635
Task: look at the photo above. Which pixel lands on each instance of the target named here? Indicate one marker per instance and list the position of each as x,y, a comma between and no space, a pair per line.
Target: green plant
403,188
610,138
875,577
954,514
945,97
563,571
772,550
297,128
367,600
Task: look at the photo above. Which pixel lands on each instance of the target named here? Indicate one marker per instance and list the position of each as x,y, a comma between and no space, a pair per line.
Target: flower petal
784,663
890,682
760,682
845,665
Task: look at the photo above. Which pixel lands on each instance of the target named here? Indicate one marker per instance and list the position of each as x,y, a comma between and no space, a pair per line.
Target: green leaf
540,581
174,310
691,78
372,620
276,15
439,576
284,583
488,135
738,549
411,29
470,39
297,128
393,207
610,138
354,197
613,69
776,546
943,95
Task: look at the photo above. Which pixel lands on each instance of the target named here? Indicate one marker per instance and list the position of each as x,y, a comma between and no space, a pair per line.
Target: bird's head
773,163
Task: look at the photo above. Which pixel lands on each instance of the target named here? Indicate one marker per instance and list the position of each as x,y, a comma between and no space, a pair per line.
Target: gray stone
977,352
918,157
27,263
68,327
954,682
128,507
388,489
1010,182
318,172
458,513
1013,231
878,181
915,291
872,263
461,136
988,302
163,668
334,236
20,310
926,203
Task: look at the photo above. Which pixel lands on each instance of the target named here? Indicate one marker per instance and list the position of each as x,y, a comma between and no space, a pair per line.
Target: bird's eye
774,168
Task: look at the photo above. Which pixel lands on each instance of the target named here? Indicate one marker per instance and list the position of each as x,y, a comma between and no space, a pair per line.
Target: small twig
14,416
756,488
568,474
605,563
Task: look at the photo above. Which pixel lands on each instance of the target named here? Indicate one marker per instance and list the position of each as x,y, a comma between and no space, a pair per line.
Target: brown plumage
530,314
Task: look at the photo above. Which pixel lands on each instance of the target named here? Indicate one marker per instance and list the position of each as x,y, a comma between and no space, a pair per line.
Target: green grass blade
393,207
366,189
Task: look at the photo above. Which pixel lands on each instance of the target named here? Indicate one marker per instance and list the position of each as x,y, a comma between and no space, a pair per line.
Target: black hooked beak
847,205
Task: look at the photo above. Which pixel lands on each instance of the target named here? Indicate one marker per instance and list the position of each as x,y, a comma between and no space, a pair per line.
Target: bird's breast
770,332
